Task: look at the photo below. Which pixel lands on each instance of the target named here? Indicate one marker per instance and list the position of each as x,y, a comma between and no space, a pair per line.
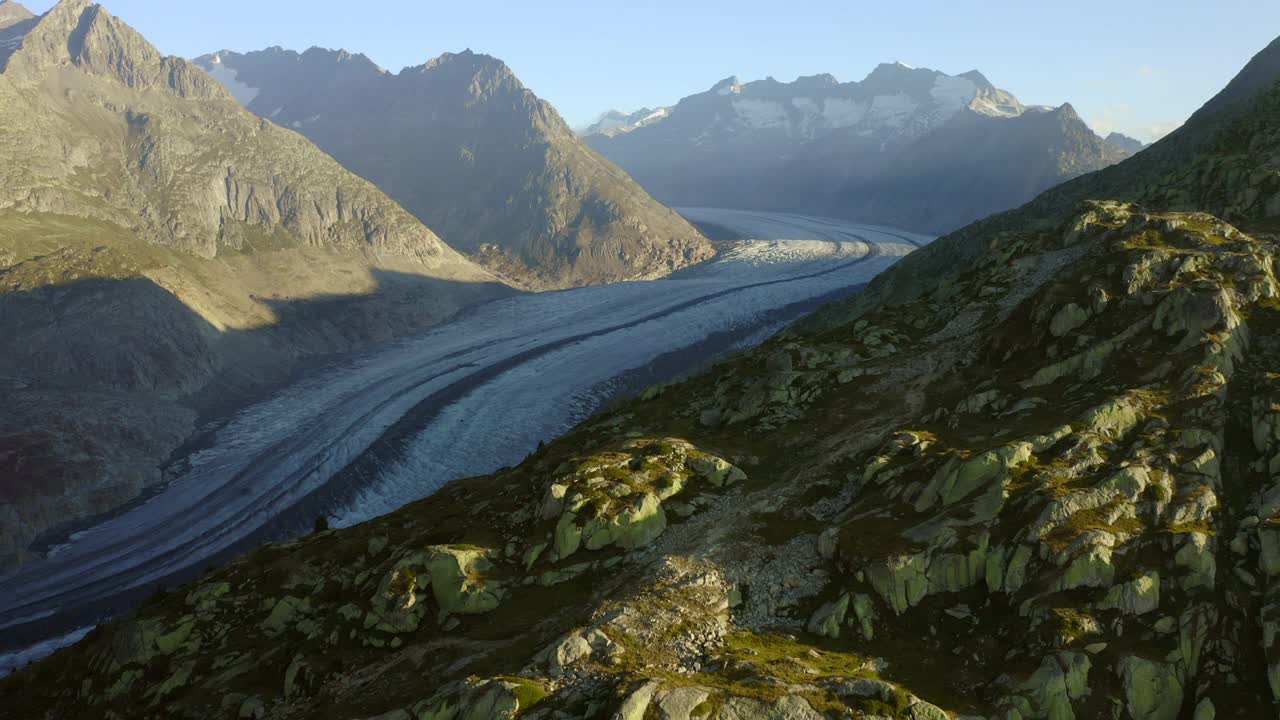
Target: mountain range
1029,473
907,147
462,145
167,254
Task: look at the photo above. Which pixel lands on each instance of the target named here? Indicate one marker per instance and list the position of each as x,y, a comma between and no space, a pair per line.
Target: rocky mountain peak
15,21
897,78
12,13
466,56
615,122
485,74
977,78
821,81
1067,111
83,35
727,86
893,71
1124,142
358,61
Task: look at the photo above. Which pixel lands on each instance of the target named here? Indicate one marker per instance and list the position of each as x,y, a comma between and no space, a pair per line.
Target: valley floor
466,398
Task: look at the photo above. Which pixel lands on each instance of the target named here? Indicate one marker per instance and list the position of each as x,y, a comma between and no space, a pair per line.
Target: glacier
463,398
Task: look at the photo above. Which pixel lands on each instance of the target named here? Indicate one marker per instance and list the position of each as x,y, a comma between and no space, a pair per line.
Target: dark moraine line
702,355
84,604
840,226
391,445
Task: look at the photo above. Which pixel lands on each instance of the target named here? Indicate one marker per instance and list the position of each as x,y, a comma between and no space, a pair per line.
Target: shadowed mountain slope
907,147
120,164
469,150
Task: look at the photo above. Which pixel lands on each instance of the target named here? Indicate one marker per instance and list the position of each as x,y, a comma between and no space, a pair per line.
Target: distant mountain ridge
615,122
905,146
465,147
12,13
1129,145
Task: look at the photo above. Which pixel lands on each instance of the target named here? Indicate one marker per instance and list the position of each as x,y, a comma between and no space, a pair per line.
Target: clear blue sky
1138,66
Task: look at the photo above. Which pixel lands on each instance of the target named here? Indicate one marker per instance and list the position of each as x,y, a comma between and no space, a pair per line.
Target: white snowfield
229,78
812,113
484,389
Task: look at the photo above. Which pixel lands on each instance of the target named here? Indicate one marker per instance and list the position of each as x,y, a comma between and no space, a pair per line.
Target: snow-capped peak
727,86
894,100
616,122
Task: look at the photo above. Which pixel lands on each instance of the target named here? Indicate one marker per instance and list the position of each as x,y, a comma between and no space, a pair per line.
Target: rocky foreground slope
164,254
465,147
1041,485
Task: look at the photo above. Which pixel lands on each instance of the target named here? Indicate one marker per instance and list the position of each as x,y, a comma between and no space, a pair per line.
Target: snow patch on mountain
728,86
841,112
760,114
609,122
894,100
892,110
953,92
806,105
615,122
243,93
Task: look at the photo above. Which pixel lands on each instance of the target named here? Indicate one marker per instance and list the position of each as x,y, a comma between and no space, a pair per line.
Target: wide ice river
366,436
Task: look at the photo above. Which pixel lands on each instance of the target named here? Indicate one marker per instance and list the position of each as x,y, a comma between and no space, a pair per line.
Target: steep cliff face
465,147
105,127
165,254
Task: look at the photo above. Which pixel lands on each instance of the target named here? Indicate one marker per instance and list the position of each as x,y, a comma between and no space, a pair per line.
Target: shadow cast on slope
104,379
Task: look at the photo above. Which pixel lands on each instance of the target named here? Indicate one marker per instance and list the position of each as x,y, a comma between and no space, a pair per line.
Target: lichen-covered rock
1136,597
1068,318
681,703
784,708
636,703
1153,690
458,582
1196,559
901,581
494,699
1093,568
717,471
636,525
578,647
1053,689
828,619
617,499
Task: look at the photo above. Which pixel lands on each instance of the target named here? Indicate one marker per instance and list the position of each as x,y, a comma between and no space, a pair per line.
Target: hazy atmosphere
665,361
1138,66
